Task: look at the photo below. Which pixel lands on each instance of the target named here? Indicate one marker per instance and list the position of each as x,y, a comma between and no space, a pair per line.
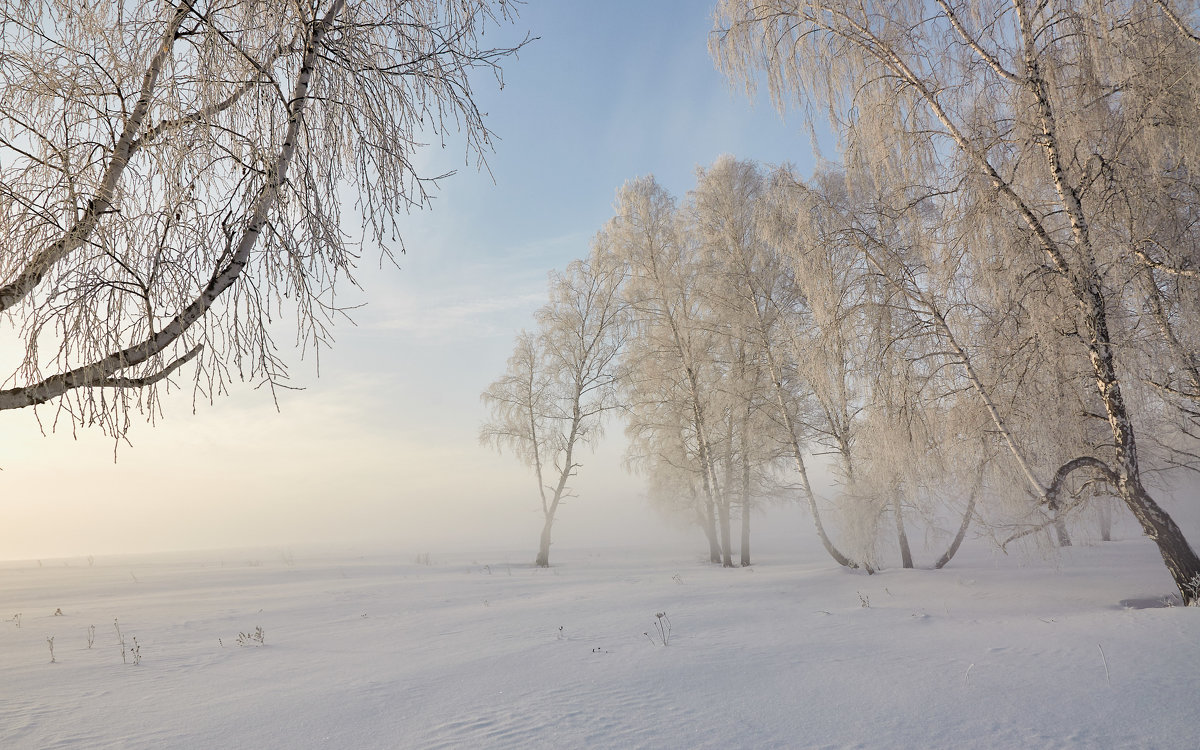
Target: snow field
470,652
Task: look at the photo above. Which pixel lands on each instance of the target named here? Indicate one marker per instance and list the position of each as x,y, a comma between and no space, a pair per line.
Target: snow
471,651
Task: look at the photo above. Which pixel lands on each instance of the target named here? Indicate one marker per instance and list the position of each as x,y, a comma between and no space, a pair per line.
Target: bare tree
561,382
171,177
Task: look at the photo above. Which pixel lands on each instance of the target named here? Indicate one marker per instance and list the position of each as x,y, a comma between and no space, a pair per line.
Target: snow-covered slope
479,652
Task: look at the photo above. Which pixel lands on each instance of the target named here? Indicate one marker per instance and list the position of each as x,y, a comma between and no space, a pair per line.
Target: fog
323,471
382,447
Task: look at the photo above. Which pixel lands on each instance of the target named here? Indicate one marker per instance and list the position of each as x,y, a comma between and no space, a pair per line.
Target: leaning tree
171,176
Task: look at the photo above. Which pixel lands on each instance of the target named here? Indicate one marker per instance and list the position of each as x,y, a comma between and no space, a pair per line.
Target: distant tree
172,173
561,382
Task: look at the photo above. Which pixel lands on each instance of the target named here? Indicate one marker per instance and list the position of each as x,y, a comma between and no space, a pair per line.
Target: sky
382,448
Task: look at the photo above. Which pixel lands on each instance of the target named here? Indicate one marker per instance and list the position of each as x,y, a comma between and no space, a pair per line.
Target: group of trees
989,301
743,331
1053,146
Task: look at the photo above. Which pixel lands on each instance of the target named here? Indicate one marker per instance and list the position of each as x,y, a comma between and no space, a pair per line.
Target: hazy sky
382,447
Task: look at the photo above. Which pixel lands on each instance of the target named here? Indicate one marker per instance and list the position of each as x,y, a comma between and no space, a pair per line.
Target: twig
1107,676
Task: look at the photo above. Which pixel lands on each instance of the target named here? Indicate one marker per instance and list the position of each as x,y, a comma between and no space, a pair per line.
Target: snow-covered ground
1076,651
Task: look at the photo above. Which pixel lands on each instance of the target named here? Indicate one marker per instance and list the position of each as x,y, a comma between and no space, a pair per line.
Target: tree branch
98,373
156,377
984,55
1176,21
101,203
1160,266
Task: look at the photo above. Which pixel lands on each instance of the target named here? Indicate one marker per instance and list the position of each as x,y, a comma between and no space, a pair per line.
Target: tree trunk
905,552
745,507
962,529
708,522
775,373
1180,558
712,491
1086,283
806,487
543,556
726,541
745,561
1060,527
1105,512
724,510
1177,554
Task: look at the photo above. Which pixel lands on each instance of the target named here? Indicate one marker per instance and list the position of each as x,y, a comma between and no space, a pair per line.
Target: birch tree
171,177
752,292
1048,113
673,343
819,329
561,382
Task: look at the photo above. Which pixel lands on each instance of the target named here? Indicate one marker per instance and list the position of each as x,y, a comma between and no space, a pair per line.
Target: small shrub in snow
91,635
50,642
16,619
257,638
662,626
864,601
120,640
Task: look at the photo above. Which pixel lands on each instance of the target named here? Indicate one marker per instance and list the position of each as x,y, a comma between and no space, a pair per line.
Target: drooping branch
1060,477
99,373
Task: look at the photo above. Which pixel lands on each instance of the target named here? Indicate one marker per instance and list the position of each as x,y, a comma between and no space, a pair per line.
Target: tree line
987,303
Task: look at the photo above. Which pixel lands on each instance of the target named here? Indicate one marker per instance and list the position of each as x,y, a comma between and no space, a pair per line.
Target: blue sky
381,448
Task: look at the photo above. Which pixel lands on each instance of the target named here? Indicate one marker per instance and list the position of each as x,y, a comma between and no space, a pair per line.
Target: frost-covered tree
1070,128
814,331
749,290
661,448
561,382
672,368
172,174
